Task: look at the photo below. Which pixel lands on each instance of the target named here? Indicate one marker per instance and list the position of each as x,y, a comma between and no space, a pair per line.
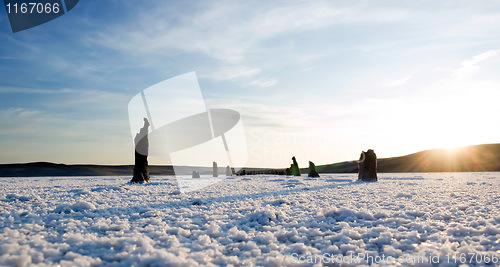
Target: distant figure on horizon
312,170
215,170
294,168
367,166
141,169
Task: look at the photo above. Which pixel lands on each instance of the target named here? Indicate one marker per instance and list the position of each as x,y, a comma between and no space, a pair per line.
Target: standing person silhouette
141,169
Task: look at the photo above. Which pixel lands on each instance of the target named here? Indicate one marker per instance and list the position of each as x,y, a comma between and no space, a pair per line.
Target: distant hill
41,169
479,158
52,169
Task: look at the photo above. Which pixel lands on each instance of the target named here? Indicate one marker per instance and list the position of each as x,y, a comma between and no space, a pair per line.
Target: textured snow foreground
404,219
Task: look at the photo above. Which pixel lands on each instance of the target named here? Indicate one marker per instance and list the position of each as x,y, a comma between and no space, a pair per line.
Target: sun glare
451,149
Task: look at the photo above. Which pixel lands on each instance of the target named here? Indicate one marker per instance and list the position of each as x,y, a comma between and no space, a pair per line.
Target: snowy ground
404,219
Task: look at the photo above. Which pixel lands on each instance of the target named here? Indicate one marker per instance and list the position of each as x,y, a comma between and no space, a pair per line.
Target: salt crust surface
250,220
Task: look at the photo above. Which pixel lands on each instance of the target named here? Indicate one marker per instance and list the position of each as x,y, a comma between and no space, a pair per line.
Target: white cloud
230,33
228,73
481,57
26,90
265,83
397,82
307,69
14,113
33,135
471,66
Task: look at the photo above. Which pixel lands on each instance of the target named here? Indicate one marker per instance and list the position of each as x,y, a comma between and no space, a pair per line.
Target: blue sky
321,80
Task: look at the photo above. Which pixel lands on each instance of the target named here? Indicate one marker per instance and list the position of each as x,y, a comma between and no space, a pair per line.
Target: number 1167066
30,8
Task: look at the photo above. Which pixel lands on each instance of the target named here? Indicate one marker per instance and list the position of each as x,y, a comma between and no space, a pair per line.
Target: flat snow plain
443,219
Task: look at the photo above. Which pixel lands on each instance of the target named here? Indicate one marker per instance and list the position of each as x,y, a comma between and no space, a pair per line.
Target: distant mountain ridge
478,158
35,169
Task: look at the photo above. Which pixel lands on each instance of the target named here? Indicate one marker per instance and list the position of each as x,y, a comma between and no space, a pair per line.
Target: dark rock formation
367,166
294,168
243,172
215,170
312,170
141,169
196,174
228,171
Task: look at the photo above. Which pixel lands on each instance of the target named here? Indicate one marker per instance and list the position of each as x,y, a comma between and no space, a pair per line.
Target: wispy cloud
265,83
397,82
342,67
230,33
471,66
228,73
16,113
36,135
25,90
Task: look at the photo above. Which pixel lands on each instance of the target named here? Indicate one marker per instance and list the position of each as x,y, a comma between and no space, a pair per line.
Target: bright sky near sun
321,80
